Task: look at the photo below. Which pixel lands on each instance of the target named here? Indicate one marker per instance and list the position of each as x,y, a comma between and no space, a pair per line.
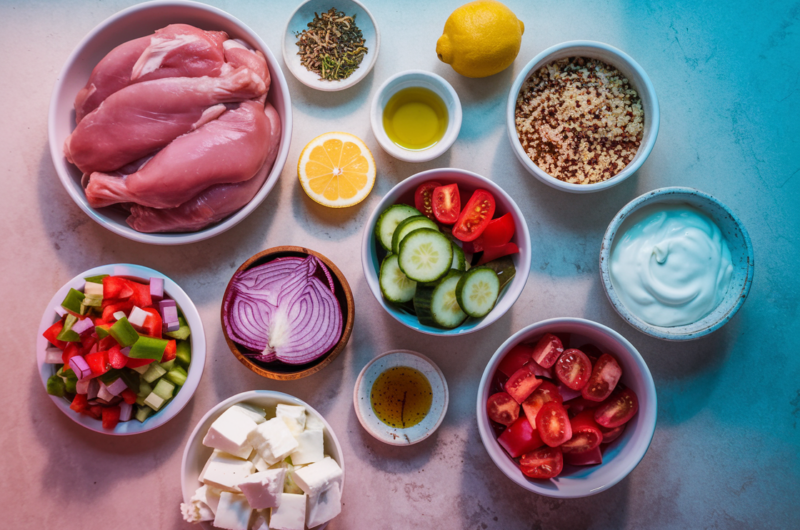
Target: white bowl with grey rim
422,79
613,57
741,256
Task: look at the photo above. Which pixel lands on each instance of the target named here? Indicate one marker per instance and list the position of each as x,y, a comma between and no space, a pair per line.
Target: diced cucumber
395,286
183,352
56,386
142,369
164,389
459,259
153,372
477,291
177,375
422,304
388,221
144,388
154,401
444,305
407,226
168,365
425,255
182,333
142,413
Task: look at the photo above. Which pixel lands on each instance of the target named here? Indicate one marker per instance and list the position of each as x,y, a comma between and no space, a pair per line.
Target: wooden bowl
277,369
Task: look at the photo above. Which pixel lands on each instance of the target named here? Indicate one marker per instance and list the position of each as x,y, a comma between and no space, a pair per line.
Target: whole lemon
480,39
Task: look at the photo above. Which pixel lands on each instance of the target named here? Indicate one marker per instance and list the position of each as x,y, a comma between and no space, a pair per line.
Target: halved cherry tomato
547,350
522,383
545,393
519,438
573,368
586,434
493,253
52,332
502,408
423,198
567,393
545,462
519,356
578,405
587,458
617,409
446,204
115,357
604,378
111,417
609,435
128,396
553,424
153,323
475,216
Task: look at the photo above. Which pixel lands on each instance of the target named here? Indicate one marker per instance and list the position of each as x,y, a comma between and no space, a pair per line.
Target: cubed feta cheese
137,317
318,477
93,289
264,489
211,497
259,462
324,506
290,486
260,522
310,447
225,472
273,440
198,508
294,416
233,512
314,424
229,433
257,414
291,514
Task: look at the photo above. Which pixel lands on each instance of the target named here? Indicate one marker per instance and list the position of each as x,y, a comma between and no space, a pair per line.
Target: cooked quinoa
579,120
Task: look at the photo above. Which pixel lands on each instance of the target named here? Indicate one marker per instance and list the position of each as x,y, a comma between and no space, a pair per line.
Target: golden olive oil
401,397
415,118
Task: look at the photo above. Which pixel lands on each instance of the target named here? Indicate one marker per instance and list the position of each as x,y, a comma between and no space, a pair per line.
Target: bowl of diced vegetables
121,349
446,252
262,456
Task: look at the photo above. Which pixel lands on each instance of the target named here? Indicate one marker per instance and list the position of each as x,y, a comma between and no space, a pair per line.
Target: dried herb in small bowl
332,46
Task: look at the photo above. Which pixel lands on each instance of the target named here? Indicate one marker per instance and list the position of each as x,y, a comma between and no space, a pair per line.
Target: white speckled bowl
467,183
741,254
299,22
195,454
622,62
622,455
133,22
363,404
198,341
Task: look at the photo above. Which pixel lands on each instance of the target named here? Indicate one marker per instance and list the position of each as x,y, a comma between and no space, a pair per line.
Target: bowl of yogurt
676,263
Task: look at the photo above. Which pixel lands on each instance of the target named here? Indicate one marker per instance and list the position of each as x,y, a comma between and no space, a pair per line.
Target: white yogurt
670,264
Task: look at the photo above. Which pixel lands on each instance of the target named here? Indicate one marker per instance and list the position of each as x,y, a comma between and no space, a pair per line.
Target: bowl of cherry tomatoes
566,408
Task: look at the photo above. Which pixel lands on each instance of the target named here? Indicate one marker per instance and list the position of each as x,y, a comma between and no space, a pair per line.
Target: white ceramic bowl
195,454
363,403
133,22
416,78
741,254
622,455
467,183
198,341
299,22
622,62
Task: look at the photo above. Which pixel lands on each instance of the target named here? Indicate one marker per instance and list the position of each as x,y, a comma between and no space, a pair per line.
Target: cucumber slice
388,221
444,304
477,291
153,372
395,286
164,389
407,226
422,304
425,255
459,259
142,413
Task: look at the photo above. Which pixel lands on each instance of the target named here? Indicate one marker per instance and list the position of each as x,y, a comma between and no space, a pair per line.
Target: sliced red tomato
519,356
423,198
573,368
106,343
592,352
141,294
115,357
116,288
73,349
109,310
522,383
586,434
111,417
552,423
545,462
609,435
98,362
153,323
617,409
52,332
547,350
137,363
545,393
502,408
587,458
579,404
498,382
79,403
604,378
493,253
446,204
128,396
87,342
170,352
475,216
519,438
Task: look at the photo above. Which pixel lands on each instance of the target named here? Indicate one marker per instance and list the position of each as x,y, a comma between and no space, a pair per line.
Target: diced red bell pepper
128,396
95,411
141,294
98,321
111,417
115,357
52,332
170,352
492,253
98,362
137,363
108,311
116,288
79,403
72,350
106,343
87,341
153,323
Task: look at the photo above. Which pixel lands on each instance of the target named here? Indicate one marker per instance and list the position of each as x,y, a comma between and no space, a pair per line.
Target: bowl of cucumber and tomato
446,252
120,349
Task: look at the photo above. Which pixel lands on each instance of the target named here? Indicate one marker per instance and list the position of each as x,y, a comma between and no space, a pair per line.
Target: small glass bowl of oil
416,116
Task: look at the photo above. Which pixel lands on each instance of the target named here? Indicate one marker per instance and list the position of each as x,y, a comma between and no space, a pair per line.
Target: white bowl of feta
262,460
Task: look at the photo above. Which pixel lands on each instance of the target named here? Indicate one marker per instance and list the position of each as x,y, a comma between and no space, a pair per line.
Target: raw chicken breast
216,202
230,149
144,117
238,54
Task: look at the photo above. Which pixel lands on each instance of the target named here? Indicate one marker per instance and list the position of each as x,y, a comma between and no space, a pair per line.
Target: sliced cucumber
388,221
444,304
459,259
477,291
407,226
142,413
395,286
422,304
425,255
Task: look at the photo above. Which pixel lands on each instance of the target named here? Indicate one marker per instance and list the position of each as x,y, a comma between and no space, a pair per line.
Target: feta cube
211,497
229,433
264,489
257,414
273,440
310,448
314,424
233,512
259,462
225,472
293,416
291,486
324,506
291,514
198,508
93,289
137,317
260,522
318,477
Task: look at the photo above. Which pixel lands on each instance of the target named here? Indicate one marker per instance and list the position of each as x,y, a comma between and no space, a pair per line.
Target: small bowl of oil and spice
401,397
330,45
416,116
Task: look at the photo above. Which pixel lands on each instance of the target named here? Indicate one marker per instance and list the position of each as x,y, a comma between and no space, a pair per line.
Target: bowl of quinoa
582,116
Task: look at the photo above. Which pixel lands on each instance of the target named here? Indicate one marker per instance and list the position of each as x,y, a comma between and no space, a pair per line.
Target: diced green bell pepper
177,375
124,333
147,347
102,331
183,352
55,386
96,279
72,302
66,334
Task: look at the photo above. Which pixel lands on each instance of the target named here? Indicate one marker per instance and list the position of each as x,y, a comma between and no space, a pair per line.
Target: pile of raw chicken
175,128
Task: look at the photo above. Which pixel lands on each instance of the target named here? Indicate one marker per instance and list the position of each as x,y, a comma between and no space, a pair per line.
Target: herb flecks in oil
332,46
401,397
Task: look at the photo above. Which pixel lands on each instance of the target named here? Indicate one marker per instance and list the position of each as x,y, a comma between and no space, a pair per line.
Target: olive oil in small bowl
415,118
401,397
